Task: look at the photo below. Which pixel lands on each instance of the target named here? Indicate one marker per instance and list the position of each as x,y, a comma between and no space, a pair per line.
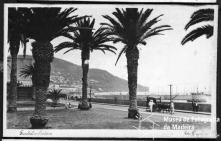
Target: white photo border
90,133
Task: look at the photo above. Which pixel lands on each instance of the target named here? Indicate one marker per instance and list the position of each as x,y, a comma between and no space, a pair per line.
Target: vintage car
158,104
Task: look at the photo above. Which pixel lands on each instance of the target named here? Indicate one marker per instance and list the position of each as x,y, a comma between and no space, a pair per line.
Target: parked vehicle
158,105
155,100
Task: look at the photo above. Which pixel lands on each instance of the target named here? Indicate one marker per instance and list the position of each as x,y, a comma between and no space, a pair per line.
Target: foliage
132,28
202,15
17,24
27,71
91,40
55,94
48,23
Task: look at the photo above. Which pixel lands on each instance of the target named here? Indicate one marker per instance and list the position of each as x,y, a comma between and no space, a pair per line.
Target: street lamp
170,92
90,92
91,83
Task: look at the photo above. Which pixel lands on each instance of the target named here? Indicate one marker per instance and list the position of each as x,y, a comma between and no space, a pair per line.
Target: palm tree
17,21
202,15
45,25
132,28
55,94
87,41
29,71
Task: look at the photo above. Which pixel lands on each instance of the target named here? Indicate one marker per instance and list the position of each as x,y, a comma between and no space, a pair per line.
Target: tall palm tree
131,27
86,40
202,15
29,71
17,21
45,25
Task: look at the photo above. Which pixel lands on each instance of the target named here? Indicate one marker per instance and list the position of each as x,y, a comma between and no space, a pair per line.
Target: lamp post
91,82
90,92
170,92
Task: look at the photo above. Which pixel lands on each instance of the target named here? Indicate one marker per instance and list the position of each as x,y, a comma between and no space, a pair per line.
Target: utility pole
170,92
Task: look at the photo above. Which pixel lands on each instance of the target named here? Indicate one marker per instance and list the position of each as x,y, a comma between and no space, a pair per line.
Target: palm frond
116,40
67,35
121,17
55,94
116,27
147,26
99,39
113,21
155,31
121,52
64,45
132,27
105,49
55,91
49,23
27,71
108,26
194,34
17,23
70,29
144,16
106,46
71,49
84,35
142,42
200,16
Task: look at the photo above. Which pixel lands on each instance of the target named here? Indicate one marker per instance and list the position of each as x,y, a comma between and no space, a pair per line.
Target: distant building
21,63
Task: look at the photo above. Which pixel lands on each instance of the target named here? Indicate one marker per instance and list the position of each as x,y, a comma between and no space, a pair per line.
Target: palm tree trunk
85,67
33,92
12,106
43,56
132,64
33,87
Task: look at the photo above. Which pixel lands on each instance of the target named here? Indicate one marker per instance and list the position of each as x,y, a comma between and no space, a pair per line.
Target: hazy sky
163,60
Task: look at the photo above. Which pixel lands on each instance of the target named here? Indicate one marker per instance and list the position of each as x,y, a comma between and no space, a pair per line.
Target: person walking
172,107
151,105
196,106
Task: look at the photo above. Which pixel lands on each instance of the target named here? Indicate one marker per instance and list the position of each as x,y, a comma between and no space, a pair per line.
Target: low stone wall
23,93
178,106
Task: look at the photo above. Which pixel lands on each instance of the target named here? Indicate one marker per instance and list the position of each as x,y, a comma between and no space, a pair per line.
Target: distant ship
200,97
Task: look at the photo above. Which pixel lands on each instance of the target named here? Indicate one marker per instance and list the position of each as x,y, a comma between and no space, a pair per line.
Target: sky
163,60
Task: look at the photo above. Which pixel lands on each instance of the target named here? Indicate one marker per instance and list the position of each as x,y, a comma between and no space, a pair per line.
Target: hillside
67,74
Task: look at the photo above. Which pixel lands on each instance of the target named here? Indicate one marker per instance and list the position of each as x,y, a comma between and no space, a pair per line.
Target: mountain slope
67,74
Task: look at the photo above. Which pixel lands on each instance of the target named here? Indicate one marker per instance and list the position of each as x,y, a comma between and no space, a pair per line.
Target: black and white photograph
110,70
